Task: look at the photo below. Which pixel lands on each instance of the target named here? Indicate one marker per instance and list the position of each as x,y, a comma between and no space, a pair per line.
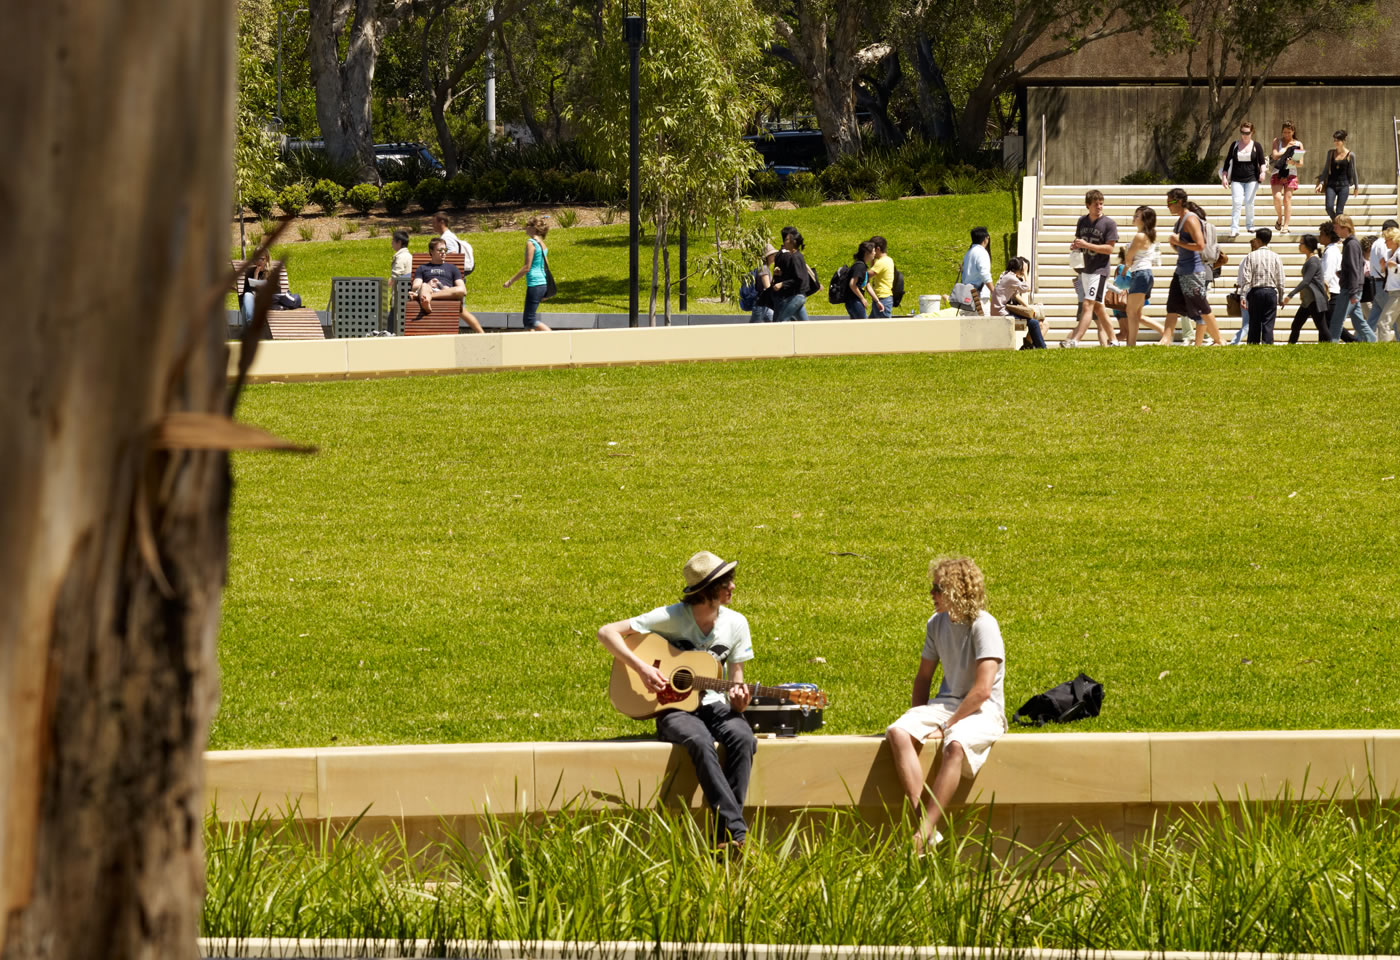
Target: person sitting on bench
439,280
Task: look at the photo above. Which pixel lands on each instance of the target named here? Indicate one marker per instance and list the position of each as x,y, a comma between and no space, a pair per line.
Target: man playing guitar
702,621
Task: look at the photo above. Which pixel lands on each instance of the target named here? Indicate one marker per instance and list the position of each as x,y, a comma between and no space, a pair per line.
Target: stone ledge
1118,778
397,356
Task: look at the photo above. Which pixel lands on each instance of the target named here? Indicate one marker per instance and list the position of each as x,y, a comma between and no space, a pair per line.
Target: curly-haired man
969,713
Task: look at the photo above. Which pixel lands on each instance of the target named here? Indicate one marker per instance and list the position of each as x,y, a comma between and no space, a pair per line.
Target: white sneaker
1207,342
1234,234
1115,342
1069,342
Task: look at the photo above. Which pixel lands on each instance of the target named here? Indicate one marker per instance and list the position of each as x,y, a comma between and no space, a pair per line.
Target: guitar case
771,715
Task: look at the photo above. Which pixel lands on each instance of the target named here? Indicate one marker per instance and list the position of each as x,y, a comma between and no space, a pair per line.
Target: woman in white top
1390,260
1142,256
1331,265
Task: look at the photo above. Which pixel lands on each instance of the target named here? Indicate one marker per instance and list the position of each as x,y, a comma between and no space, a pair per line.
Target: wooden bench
300,324
446,313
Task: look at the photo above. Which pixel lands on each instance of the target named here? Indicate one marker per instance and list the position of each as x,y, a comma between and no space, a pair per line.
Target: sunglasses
937,590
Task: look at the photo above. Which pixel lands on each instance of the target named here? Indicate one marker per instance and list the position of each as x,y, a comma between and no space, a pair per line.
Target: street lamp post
634,29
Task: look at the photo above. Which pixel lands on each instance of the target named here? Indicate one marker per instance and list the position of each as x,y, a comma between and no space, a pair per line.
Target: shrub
292,199
337,231
459,191
326,194
268,225
567,217
964,181
1143,178
373,230
429,193
931,178
311,164
866,173
493,187
396,197
610,213
362,197
1003,179
836,181
766,184
892,189
1186,167
590,186
804,189
261,200
554,186
306,232
523,186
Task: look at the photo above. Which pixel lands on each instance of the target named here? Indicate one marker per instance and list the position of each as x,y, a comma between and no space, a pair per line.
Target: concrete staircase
1064,205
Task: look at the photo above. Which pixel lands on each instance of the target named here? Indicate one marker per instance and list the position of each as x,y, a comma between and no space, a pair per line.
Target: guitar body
630,696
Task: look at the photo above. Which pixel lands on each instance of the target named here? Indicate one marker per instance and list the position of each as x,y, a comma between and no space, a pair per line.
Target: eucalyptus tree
701,84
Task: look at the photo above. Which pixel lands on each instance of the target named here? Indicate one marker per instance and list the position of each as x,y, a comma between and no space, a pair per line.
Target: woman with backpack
791,278
857,279
1194,241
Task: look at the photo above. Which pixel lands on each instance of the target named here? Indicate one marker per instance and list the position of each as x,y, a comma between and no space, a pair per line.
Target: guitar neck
758,690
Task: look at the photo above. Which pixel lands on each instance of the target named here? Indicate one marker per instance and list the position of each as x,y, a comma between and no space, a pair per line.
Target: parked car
396,161
789,151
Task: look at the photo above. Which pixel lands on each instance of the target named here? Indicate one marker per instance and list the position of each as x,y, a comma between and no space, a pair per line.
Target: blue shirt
535,278
728,641
977,267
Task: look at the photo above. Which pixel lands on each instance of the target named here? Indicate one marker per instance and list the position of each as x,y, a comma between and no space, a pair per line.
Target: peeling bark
107,660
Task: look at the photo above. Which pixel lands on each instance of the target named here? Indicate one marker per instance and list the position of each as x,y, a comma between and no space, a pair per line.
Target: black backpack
813,284
840,285
897,288
1072,700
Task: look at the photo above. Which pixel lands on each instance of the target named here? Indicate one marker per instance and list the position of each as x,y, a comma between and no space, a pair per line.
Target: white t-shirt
1392,260
1378,252
1331,263
728,642
958,646
457,245
403,263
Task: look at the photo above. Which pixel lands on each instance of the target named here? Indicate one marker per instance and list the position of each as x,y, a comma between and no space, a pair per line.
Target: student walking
1241,173
1390,240
790,279
1313,292
1380,295
857,279
1351,275
1286,157
1260,284
762,274
882,279
1192,279
535,271
1331,265
1141,256
1095,240
1338,176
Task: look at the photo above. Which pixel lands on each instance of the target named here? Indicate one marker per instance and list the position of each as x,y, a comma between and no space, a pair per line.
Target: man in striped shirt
1260,285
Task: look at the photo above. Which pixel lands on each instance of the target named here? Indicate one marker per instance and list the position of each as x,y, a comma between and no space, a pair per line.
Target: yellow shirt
882,277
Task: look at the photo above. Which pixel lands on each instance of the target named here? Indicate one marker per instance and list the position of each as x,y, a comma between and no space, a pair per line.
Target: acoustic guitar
688,673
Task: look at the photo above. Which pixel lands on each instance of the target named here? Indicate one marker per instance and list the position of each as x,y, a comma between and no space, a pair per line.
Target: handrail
1395,128
1039,210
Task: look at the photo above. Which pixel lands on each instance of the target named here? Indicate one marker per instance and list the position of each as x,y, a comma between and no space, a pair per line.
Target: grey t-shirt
958,646
1098,232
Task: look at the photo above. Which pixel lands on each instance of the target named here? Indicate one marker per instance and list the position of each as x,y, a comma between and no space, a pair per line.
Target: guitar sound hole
682,680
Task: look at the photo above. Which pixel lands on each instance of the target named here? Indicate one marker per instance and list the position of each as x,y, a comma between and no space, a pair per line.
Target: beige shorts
976,733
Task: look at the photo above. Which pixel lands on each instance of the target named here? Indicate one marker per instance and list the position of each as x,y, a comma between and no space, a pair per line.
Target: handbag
1076,261
550,288
1072,700
1115,299
962,296
1233,305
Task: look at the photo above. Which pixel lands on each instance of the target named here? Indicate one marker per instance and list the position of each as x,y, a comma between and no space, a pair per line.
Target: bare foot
923,844
425,306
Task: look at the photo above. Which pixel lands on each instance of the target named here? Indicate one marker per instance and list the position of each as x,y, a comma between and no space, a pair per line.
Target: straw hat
705,569
768,251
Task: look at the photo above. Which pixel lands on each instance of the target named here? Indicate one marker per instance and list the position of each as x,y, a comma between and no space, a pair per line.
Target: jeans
789,308
886,308
1337,199
1243,331
533,296
1263,308
1242,193
1378,302
761,314
245,307
726,786
1319,319
1033,332
855,309
1342,307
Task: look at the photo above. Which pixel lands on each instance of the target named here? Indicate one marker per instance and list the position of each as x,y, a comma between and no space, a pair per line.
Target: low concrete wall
1034,784
396,356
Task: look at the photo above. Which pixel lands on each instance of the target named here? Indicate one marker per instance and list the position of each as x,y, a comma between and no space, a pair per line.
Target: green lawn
1210,533
927,237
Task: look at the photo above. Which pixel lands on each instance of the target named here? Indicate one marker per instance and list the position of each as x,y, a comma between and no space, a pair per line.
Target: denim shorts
1142,283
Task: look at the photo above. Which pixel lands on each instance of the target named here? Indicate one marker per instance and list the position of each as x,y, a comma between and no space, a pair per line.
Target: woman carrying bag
539,282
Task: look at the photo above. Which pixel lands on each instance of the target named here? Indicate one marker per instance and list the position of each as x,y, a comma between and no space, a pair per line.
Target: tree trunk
344,109
825,54
523,92
112,551
935,104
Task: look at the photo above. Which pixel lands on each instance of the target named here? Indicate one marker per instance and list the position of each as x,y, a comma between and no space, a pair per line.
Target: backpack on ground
897,288
1072,700
748,291
840,285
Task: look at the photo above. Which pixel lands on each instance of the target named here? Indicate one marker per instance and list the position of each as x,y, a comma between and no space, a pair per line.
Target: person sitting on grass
703,621
969,714
439,280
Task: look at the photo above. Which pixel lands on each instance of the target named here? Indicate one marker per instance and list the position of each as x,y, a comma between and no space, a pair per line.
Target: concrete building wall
1097,134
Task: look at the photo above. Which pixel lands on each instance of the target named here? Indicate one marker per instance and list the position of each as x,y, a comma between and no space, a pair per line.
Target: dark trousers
1300,319
1336,198
1263,308
725,786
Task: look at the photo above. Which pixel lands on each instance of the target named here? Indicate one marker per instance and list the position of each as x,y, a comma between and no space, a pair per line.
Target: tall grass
1259,877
